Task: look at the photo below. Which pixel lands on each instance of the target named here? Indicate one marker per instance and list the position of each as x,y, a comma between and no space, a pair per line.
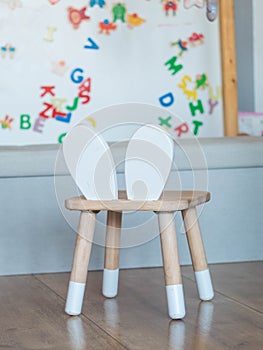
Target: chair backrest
148,162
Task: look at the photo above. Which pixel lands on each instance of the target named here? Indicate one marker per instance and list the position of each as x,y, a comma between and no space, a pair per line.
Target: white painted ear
73,145
148,163
90,163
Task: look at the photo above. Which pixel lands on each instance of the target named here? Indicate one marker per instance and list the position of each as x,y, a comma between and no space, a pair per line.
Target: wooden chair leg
81,258
172,271
112,251
195,242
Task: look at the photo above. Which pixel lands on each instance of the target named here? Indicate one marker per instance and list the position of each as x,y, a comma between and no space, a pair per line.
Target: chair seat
169,201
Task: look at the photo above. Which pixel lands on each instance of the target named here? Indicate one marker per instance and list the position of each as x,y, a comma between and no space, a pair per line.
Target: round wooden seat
170,201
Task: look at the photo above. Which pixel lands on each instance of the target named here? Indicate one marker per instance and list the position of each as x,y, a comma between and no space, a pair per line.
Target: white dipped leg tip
75,298
204,285
175,299
110,283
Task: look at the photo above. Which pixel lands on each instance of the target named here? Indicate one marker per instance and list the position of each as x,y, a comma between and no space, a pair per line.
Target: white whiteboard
40,47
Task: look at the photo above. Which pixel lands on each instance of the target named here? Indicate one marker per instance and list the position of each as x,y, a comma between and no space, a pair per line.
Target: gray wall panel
36,238
244,50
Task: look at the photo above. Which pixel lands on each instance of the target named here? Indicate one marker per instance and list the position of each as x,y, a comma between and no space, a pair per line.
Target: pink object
250,123
195,37
76,16
53,2
250,114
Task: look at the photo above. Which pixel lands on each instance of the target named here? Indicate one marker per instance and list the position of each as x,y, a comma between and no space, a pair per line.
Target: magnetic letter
172,66
185,80
191,94
58,102
25,123
165,122
197,124
212,105
65,119
56,114
61,137
84,90
84,94
199,107
47,90
85,85
49,34
211,94
181,129
75,105
167,100
77,78
39,123
91,45
43,113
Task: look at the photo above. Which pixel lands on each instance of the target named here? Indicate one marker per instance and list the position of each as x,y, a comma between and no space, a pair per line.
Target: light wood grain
83,247
112,246
194,239
228,59
139,320
171,264
32,317
240,281
169,201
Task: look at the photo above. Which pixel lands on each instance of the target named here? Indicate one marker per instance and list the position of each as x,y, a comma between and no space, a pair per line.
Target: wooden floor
32,312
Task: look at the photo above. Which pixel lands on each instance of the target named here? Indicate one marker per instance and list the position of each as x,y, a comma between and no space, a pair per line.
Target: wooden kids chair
141,170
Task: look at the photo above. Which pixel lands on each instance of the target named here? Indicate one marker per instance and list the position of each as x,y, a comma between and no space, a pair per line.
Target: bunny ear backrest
73,145
90,163
148,163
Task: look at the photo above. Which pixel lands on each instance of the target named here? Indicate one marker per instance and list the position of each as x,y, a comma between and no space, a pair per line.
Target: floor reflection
203,326
76,333
177,333
111,313
205,316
